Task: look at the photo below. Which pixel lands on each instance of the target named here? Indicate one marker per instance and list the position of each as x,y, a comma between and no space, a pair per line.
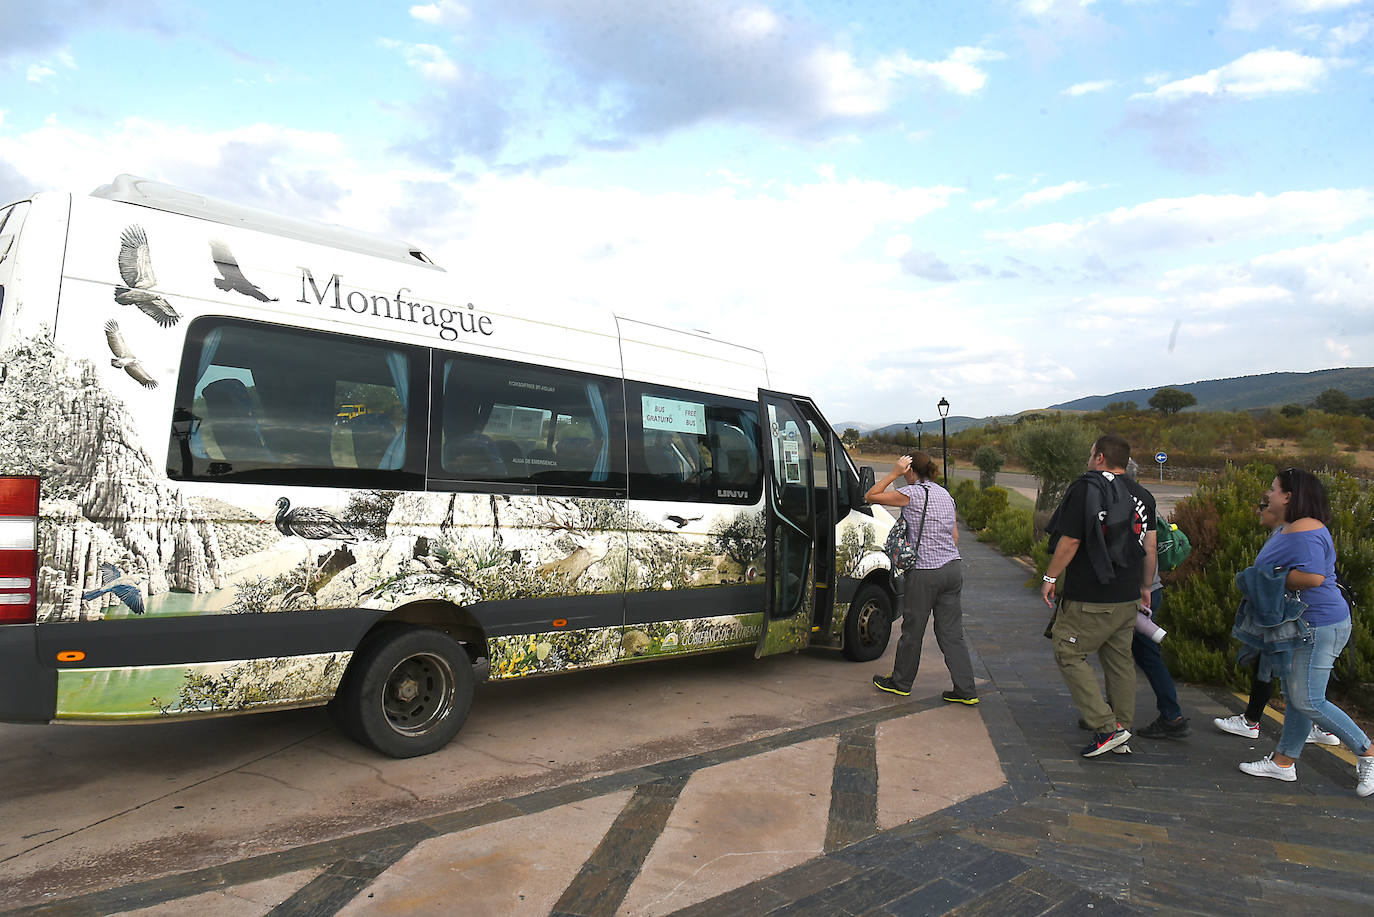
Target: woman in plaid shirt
933,585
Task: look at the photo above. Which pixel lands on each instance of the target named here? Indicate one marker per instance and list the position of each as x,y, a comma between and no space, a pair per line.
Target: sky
1006,203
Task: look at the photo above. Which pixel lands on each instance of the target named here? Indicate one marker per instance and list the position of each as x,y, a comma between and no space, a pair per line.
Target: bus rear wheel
407,692
868,626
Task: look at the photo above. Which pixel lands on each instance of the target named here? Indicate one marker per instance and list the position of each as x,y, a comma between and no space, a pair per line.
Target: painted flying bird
124,359
136,267
681,521
231,277
124,587
311,523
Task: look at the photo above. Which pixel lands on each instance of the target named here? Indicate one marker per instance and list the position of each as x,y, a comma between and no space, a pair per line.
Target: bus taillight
18,550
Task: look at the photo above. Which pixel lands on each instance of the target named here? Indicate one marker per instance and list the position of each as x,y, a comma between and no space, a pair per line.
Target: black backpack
1115,508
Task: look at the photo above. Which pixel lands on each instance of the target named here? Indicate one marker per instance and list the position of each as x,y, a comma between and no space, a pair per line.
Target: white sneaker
1364,774
1237,726
1265,767
1319,736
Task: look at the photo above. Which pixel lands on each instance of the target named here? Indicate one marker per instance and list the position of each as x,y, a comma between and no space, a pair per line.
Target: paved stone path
913,808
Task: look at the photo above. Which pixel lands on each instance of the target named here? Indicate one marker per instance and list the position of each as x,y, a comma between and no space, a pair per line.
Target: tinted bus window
508,423
692,447
273,404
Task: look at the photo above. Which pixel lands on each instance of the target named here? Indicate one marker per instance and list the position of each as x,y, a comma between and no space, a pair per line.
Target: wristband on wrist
1050,579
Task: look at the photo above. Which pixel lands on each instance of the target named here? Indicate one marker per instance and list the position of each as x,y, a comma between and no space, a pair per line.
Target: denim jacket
1269,618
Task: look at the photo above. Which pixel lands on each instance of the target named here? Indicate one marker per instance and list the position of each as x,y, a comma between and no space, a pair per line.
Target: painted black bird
124,587
682,521
311,523
136,268
231,277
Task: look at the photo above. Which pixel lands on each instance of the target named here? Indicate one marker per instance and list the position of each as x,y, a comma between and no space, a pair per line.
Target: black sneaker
884,683
1163,729
954,696
1104,742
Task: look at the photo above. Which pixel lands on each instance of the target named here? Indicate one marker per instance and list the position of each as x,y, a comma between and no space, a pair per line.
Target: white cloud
290,171
986,203
1339,349
619,71
1251,14
897,245
430,61
442,13
959,72
37,73
1053,7
1082,89
1352,33
1256,74
1051,194
1205,219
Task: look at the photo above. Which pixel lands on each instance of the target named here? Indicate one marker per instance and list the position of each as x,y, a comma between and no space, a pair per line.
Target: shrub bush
1012,530
965,493
1222,522
985,504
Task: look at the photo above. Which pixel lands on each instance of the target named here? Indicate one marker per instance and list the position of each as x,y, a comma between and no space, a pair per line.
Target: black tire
406,693
868,625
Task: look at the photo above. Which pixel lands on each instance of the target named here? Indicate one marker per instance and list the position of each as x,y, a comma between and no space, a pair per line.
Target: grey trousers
927,592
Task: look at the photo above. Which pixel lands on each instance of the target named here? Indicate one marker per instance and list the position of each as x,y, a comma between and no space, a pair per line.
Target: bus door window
794,516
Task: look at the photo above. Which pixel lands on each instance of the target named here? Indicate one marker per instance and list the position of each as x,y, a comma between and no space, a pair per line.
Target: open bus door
790,520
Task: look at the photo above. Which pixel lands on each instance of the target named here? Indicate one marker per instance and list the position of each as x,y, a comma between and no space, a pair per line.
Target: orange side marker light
71,656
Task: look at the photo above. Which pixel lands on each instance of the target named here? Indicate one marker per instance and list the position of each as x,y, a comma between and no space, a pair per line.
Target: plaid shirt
937,542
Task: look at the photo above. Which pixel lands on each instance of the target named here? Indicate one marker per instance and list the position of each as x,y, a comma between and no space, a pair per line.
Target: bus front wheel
407,692
868,625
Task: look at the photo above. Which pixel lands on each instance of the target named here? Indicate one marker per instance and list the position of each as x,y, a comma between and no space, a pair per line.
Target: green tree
988,462
1292,410
1171,400
1335,401
1055,450
1121,407
850,437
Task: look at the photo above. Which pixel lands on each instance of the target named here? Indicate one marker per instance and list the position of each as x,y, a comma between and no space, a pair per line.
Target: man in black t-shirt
1103,536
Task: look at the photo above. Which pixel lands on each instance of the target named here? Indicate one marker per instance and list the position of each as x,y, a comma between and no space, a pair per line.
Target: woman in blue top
1304,545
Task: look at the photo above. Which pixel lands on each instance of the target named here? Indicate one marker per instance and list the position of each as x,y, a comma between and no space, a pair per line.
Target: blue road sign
1161,457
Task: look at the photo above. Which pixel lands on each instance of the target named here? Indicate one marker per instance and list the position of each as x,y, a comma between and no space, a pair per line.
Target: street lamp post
943,407
918,434
906,437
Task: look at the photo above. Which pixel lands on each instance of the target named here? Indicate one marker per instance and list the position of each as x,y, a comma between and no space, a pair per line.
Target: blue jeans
1305,688
1151,661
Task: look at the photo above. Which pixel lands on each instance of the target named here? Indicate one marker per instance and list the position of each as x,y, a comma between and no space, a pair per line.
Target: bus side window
501,422
693,447
282,404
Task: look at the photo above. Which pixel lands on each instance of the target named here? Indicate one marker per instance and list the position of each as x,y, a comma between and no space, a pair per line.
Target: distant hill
1245,392
930,427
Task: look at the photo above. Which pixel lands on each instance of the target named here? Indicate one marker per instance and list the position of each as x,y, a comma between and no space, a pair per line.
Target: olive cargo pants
1081,628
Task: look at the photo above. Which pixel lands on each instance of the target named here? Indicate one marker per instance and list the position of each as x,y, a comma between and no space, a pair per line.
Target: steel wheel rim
869,623
418,693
